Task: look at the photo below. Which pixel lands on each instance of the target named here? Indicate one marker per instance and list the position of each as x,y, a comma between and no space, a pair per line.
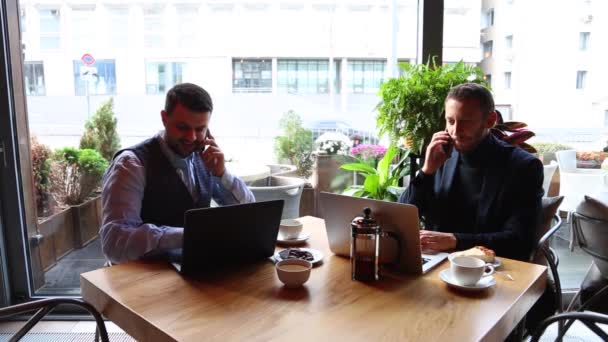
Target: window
509,41
488,79
257,59
100,78
154,27
488,18
118,27
83,32
581,79
583,43
301,76
365,76
508,80
487,49
252,75
34,79
187,26
161,76
49,29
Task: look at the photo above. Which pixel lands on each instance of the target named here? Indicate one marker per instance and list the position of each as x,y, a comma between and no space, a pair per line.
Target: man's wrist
454,241
425,169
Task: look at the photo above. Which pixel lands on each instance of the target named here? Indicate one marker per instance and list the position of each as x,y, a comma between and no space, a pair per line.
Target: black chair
591,235
44,307
590,319
542,254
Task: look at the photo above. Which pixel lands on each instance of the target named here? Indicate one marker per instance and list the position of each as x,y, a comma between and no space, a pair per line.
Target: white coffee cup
290,229
468,270
293,272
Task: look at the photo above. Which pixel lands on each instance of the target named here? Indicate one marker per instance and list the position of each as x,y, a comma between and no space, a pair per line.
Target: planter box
87,221
58,232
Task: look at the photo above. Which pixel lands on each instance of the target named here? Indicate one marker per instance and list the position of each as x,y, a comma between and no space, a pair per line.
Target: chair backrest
590,225
590,319
566,160
549,223
288,189
548,171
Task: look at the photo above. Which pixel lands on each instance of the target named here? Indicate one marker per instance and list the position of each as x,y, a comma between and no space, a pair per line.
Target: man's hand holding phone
212,156
438,151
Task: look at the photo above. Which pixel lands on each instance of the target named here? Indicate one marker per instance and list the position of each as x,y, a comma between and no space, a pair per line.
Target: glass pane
257,61
562,100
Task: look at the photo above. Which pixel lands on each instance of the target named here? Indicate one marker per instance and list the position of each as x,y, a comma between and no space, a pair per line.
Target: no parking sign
87,59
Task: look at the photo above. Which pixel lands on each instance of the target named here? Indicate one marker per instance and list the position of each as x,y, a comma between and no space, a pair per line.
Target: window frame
264,84
110,87
27,85
50,34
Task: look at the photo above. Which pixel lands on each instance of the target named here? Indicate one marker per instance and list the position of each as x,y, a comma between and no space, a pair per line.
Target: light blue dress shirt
123,234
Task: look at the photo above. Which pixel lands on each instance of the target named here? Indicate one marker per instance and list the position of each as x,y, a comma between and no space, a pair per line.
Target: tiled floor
83,331
62,331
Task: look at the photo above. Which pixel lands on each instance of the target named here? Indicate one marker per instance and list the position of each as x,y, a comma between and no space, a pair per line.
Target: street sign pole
88,71
88,99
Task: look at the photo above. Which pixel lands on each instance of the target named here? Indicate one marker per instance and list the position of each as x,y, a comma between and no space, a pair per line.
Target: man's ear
163,116
491,120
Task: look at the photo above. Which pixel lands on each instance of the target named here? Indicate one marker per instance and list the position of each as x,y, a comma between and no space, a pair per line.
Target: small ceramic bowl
290,229
293,272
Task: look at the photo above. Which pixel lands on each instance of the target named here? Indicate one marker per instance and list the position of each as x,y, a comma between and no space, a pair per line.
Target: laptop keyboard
425,260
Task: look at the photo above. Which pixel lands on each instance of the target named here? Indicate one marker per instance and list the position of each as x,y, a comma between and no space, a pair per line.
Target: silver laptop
402,219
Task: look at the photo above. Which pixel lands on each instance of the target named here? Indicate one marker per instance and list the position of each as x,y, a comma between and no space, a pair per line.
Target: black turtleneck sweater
466,188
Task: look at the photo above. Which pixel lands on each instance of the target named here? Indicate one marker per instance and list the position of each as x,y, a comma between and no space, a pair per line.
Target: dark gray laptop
232,235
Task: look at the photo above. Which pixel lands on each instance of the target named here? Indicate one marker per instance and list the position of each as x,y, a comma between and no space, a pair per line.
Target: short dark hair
473,91
190,96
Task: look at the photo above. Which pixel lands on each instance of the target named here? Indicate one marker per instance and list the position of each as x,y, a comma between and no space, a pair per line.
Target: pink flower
365,151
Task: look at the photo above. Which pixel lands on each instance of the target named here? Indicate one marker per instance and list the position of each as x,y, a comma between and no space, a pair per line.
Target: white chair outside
576,182
549,171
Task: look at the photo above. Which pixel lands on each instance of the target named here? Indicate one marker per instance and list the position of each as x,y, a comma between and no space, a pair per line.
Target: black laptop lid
229,235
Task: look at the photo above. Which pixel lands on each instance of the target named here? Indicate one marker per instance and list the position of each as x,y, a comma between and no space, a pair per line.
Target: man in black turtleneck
484,191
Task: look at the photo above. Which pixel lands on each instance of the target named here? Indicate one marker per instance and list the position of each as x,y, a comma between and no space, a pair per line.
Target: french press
365,247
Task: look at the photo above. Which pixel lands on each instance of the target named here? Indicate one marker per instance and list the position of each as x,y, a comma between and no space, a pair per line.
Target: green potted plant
382,181
100,131
76,174
295,145
411,105
51,219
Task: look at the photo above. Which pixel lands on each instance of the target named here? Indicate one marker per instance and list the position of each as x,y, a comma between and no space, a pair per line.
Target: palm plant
380,182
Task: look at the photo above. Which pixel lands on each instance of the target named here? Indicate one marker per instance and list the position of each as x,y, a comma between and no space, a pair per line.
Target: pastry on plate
480,252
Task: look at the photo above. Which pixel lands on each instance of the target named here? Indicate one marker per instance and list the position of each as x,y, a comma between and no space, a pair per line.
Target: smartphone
447,148
201,144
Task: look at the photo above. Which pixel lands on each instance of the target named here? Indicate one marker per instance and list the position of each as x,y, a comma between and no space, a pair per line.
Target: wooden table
152,302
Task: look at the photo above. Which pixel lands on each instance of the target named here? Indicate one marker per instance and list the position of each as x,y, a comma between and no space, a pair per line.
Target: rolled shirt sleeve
231,190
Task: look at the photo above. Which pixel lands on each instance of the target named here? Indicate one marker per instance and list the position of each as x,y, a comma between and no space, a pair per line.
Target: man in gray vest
149,186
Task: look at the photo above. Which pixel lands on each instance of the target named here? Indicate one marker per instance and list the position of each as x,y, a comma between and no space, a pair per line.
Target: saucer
316,255
292,242
483,283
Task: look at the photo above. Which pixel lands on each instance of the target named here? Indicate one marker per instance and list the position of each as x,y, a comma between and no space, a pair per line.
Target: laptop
231,235
402,219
